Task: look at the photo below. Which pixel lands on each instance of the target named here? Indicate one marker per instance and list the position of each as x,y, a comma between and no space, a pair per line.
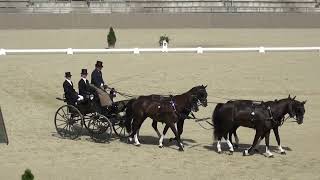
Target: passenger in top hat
96,76
84,85
70,94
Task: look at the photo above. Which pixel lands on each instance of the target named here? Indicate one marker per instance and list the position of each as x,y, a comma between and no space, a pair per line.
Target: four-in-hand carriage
71,121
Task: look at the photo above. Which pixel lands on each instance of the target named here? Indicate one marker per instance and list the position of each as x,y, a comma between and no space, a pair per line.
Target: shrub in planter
27,175
162,38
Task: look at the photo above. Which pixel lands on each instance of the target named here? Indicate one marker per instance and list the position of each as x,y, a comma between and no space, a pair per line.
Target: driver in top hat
98,84
70,94
96,76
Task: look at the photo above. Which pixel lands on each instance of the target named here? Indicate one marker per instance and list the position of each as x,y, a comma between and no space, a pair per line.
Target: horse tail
216,121
129,115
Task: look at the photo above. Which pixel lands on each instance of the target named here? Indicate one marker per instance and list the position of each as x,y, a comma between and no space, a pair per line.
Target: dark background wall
201,20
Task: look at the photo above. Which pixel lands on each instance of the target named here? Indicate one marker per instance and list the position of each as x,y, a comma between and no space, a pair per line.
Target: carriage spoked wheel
119,128
68,122
99,127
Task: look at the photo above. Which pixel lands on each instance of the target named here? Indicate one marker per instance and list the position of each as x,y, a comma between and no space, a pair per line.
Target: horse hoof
230,152
283,153
181,149
160,146
138,145
245,153
271,156
219,152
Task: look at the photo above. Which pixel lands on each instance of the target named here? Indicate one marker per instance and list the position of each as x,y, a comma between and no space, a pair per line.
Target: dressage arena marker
3,132
164,49
2,52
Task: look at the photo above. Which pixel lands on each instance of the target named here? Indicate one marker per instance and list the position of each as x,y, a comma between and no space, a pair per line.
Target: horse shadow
242,147
152,140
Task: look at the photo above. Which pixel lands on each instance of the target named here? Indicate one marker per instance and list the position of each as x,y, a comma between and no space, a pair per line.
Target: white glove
91,97
80,98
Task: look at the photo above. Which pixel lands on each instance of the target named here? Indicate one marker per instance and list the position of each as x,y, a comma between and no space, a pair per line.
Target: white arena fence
164,49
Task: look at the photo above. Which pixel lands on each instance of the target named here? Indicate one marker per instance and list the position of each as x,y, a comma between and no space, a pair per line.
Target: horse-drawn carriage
72,120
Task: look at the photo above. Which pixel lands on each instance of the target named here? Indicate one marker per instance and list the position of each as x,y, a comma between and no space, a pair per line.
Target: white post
136,51
2,52
164,46
262,50
199,50
70,51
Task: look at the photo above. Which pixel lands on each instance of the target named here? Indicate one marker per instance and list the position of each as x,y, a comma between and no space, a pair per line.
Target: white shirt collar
85,80
69,81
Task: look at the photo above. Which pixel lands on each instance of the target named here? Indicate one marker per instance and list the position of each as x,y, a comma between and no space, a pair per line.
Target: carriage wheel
119,128
99,128
68,121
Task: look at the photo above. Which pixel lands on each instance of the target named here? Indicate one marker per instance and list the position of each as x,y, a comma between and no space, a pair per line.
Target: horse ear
205,86
289,97
294,97
304,102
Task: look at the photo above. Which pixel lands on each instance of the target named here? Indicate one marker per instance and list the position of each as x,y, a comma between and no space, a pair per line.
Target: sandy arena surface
30,83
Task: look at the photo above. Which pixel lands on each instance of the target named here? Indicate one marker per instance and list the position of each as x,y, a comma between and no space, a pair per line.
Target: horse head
194,103
296,109
201,94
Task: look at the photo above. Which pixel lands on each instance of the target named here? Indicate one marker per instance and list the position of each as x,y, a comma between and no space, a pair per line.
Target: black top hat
84,71
99,64
68,74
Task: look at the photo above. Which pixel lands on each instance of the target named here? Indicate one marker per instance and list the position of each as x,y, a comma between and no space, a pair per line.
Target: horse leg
234,132
258,143
180,124
276,134
177,136
255,141
136,126
229,144
267,135
219,145
155,127
162,136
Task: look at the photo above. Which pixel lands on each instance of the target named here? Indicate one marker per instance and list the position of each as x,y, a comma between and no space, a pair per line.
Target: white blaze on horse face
219,146
136,140
230,145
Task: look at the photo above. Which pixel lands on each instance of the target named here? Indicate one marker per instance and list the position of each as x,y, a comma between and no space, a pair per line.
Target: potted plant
163,38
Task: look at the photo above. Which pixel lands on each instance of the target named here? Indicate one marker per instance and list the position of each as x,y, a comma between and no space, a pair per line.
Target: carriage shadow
86,135
152,140
242,147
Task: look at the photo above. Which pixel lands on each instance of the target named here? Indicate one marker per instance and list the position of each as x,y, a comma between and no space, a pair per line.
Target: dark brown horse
182,105
159,110
295,111
261,117
183,110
